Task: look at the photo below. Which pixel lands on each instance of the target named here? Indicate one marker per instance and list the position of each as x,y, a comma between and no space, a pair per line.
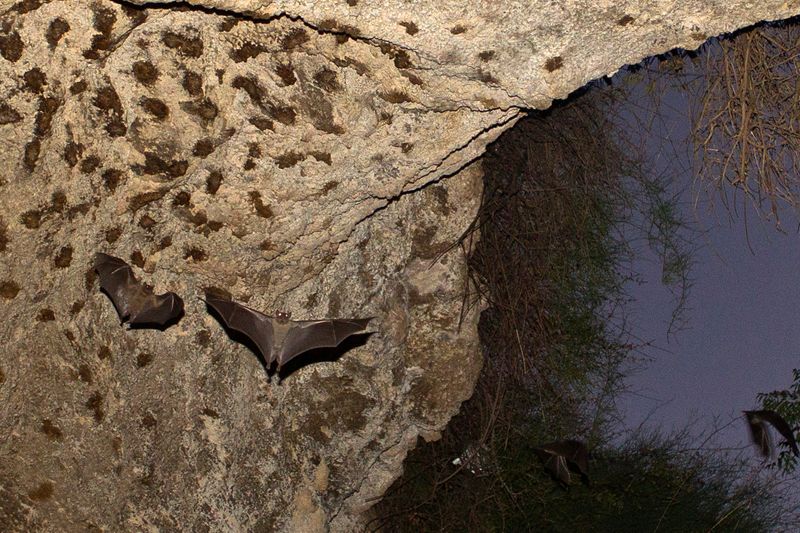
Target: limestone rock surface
315,157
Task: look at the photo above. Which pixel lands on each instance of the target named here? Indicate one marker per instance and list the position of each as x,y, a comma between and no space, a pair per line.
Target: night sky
742,334
741,338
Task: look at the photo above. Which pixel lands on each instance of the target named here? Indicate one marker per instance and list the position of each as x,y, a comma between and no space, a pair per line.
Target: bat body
562,458
758,431
280,339
134,301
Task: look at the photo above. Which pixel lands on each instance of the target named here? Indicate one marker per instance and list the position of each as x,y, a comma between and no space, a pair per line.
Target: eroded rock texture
309,156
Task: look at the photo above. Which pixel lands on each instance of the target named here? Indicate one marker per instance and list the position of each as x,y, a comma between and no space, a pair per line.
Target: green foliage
787,404
650,483
661,483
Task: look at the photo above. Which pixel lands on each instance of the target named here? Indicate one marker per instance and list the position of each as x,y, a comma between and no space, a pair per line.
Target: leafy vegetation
787,404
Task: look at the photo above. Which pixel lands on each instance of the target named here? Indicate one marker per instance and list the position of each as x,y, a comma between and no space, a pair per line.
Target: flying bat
134,301
280,339
760,435
562,458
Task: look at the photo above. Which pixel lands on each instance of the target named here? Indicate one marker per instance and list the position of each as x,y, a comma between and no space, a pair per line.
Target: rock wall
316,157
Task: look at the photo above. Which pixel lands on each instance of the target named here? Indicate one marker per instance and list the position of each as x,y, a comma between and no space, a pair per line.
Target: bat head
283,316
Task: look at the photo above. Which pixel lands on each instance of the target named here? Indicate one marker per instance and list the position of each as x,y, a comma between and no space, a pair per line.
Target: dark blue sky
741,337
742,334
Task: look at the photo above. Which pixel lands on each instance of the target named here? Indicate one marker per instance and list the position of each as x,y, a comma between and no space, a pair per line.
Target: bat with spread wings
758,431
563,457
280,339
135,301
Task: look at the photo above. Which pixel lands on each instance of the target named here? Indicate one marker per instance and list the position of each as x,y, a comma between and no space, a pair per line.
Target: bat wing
157,309
779,423
758,433
256,326
118,281
560,469
578,455
134,302
309,334
555,464
572,453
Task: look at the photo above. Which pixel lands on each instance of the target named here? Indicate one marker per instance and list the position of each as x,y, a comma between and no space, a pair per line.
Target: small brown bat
760,435
563,457
279,338
134,301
